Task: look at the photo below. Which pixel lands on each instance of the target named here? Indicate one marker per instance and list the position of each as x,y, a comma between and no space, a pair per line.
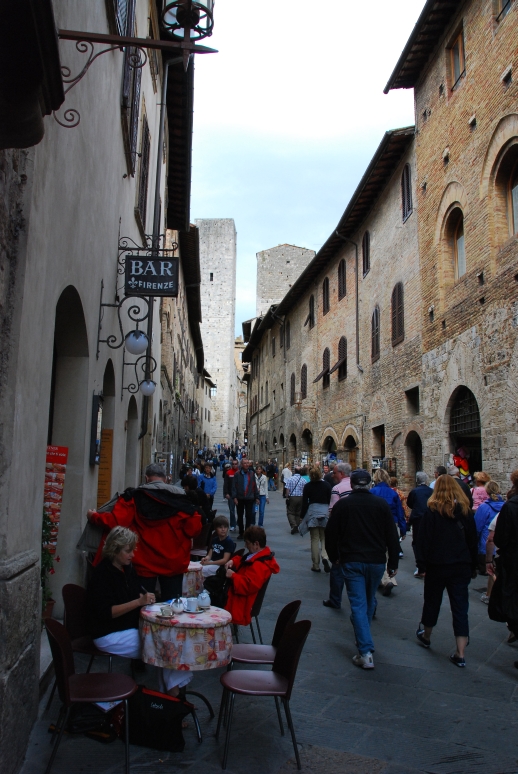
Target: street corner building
395,345
96,111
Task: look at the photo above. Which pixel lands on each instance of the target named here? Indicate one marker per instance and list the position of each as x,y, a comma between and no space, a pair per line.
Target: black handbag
155,720
218,585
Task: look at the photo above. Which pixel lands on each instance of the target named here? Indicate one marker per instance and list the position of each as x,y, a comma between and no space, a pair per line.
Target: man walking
454,472
294,488
227,492
417,500
245,495
359,532
342,483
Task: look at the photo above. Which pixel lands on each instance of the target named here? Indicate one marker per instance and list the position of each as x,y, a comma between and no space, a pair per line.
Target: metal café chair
277,683
82,689
265,654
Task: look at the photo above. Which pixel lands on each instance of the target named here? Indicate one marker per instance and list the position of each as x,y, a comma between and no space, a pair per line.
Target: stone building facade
277,270
66,201
315,385
467,165
218,303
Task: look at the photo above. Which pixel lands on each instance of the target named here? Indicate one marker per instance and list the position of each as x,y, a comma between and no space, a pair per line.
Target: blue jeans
271,485
232,512
262,505
361,581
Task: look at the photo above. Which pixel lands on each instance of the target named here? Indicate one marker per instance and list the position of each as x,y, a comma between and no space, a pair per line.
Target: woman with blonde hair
479,490
446,550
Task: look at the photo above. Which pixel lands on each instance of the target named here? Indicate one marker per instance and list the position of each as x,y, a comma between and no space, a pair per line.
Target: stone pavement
415,713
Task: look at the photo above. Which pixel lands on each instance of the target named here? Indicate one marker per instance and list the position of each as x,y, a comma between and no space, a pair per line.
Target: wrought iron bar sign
150,275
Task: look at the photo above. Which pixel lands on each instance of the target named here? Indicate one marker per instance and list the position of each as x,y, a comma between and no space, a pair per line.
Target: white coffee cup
191,603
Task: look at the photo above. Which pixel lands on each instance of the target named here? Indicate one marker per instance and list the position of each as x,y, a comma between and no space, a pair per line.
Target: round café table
187,641
192,582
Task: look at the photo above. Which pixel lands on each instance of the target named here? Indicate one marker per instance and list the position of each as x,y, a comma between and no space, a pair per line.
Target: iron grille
465,416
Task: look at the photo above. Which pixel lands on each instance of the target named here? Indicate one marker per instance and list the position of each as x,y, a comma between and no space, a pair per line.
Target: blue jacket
484,515
383,490
209,484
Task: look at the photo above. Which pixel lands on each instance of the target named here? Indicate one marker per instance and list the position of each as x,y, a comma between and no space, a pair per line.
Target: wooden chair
82,689
277,683
265,654
76,624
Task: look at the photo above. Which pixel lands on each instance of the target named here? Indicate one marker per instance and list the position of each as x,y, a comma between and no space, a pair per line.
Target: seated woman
114,598
248,574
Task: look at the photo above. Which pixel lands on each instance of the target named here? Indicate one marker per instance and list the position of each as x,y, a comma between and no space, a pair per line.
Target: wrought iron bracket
147,365
137,313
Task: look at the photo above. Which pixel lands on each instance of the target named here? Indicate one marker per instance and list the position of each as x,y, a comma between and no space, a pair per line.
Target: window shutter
398,317
375,349
341,280
325,296
304,381
366,252
144,173
292,390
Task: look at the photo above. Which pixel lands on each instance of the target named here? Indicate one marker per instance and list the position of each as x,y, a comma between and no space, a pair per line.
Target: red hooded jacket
249,577
164,546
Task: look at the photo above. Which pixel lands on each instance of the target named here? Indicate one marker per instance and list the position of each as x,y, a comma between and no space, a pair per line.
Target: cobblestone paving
415,713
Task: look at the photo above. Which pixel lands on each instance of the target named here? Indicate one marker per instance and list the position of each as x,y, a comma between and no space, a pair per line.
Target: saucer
166,615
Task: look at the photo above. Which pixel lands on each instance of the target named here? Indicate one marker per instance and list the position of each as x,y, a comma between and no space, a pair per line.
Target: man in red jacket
165,521
249,574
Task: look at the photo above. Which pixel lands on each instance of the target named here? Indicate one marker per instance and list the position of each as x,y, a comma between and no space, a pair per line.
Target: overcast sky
288,115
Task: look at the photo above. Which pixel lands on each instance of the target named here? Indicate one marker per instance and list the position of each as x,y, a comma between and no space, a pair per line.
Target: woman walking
315,513
446,550
262,487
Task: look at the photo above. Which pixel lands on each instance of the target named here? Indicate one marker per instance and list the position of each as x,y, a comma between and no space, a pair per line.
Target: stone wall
218,303
277,270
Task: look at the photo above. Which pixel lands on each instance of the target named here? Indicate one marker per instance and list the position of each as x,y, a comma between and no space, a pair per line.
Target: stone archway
306,446
351,448
292,447
132,431
414,456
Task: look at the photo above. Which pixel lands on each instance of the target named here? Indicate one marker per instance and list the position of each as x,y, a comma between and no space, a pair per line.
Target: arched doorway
130,468
329,447
69,418
104,476
414,456
350,451
307,446
465,428
292,450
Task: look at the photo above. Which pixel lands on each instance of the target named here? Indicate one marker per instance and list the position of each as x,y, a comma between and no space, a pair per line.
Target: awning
321,374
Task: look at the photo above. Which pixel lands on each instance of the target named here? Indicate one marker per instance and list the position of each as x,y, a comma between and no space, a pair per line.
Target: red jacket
164,546
246,583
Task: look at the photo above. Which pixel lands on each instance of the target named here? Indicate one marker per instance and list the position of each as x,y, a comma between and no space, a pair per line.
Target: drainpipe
155,239
346,239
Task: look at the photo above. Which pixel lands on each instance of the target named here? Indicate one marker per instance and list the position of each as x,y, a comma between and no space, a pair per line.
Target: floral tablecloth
194,641
192,580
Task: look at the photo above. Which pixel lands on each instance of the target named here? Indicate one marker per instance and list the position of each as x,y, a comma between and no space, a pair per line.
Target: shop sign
151,276
55,469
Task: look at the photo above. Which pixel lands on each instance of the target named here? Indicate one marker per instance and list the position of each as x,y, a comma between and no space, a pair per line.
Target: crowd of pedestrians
357,526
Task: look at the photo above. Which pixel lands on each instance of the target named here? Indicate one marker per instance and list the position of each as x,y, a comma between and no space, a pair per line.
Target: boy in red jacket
248,574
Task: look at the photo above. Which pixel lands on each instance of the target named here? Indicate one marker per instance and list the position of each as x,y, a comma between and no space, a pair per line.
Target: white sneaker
484,598
364,660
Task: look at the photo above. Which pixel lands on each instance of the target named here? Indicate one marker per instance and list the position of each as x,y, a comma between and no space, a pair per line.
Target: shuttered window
144,174
326,364
342,287
288,335
310,319
406,192
304,381
398,315
375,335
130,91
281,336
342,359
292,390
325,296
366,253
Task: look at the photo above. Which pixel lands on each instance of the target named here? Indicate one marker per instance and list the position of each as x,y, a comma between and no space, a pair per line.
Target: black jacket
361,529
444,541
506,533
110,586
417,500
244,486
315,492
465,488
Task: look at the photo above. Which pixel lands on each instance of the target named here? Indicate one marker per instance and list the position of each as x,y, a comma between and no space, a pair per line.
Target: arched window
455,234
366,253
342,359
262,395
266,392
326,364
325,296
375,334
292,390
288,335
304,381
406,192
342,287
310,319
398,315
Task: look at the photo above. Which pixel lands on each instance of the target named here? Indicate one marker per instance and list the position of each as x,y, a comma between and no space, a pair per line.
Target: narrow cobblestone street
415,713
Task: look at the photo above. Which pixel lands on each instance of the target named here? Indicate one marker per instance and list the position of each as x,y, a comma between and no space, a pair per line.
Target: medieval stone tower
277,270
218,304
